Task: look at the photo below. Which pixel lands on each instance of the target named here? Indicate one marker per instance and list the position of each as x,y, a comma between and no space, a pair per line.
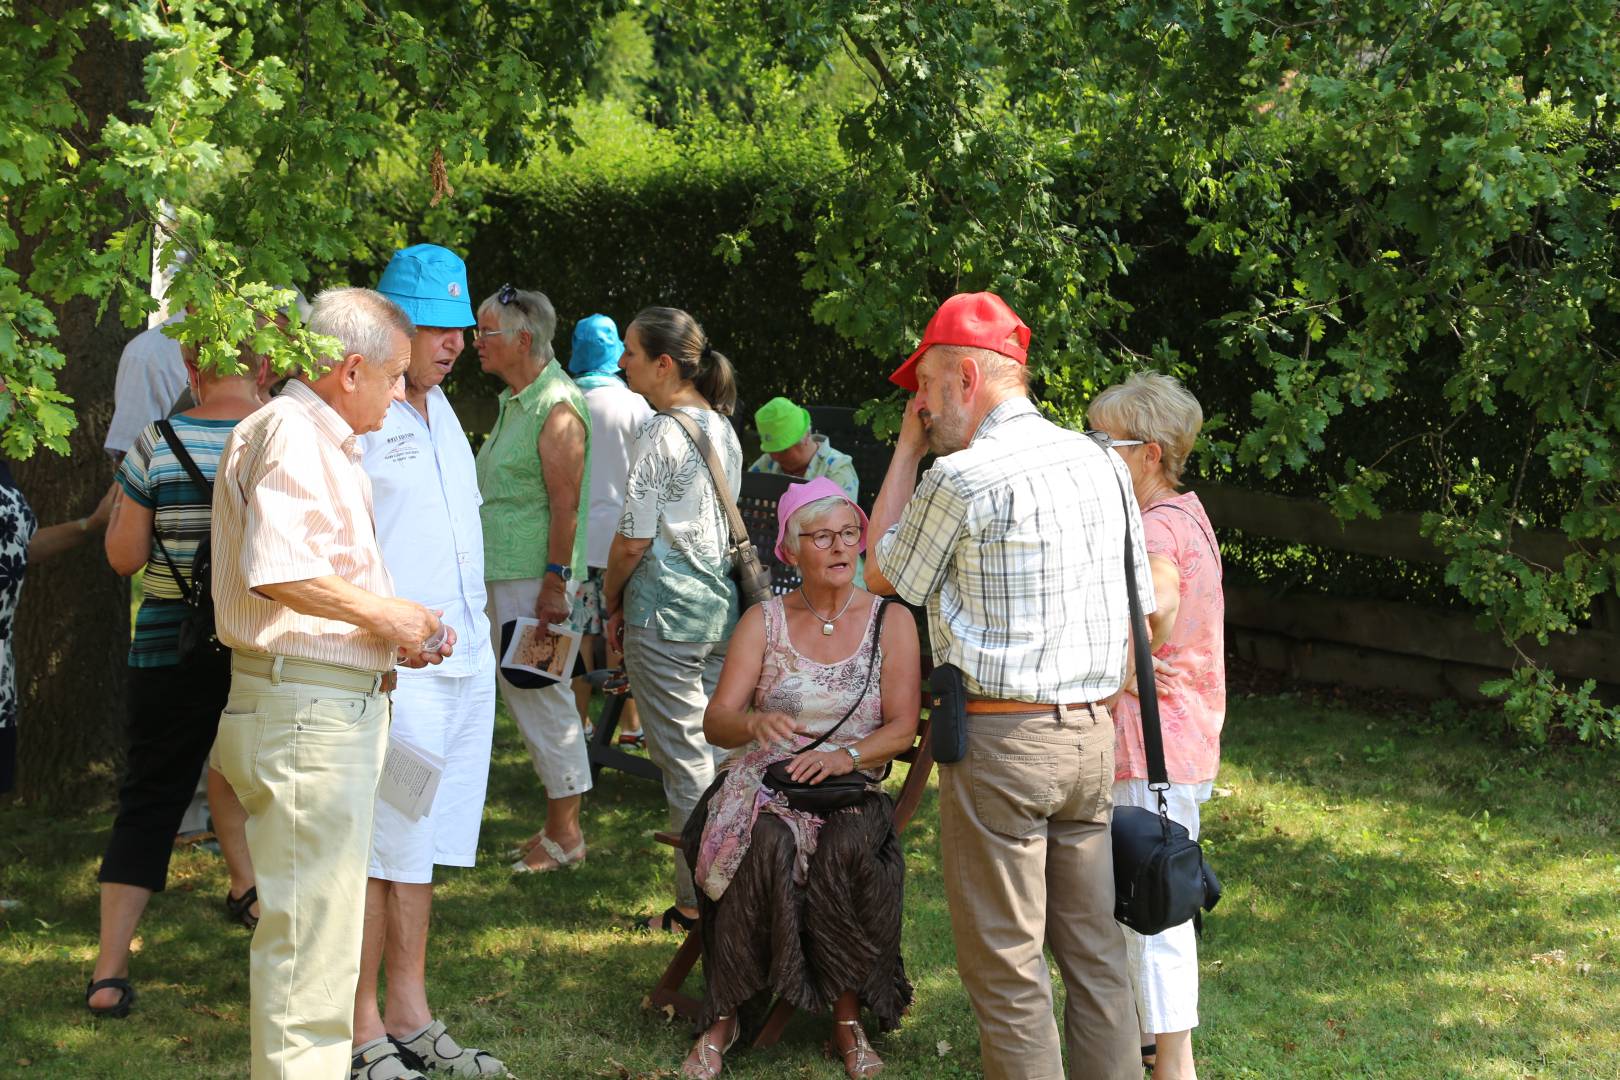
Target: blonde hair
1154,408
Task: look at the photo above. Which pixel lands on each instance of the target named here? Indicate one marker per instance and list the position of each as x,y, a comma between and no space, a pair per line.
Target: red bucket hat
978,320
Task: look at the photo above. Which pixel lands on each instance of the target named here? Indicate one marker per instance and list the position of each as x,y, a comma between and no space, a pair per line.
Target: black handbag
833,792
1160,876
198,643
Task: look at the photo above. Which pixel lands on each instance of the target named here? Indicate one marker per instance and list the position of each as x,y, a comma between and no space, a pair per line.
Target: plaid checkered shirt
1016,545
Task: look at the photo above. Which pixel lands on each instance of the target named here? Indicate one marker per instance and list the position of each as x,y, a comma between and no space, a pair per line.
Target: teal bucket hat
430,283
596,348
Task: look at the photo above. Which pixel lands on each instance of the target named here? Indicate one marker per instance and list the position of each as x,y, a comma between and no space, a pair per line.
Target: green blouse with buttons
516,511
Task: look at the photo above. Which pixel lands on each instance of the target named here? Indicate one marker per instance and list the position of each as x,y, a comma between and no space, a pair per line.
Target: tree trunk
72,628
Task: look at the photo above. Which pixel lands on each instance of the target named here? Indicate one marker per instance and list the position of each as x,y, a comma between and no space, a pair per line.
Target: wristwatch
854,755
560,570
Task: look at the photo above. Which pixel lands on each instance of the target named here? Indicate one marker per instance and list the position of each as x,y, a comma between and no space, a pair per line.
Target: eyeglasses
1105,440
485,335
823,538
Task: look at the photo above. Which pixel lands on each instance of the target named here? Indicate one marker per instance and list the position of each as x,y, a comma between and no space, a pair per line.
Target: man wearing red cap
1013,540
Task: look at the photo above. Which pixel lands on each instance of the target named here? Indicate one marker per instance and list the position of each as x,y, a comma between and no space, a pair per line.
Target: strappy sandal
380,1059
866,1062
633,739
671,922
240,908
704,1068
112,1012
1150,1051
560,859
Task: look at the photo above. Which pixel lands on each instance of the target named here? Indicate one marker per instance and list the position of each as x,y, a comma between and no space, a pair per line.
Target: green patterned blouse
516,512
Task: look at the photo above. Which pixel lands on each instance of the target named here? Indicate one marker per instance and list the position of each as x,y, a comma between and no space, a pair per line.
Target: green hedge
635,218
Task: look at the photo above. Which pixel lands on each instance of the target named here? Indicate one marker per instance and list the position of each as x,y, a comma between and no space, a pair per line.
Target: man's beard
947,432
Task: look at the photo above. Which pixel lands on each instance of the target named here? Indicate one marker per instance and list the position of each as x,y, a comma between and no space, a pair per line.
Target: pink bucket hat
798,495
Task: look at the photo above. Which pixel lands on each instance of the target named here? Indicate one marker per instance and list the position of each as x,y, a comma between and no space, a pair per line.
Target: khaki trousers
305,760
1024,822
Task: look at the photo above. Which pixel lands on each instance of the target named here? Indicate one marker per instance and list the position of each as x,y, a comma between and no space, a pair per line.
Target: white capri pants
1164,967
451,718
547,718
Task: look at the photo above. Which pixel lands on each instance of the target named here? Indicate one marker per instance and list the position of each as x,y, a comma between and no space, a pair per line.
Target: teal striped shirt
153,477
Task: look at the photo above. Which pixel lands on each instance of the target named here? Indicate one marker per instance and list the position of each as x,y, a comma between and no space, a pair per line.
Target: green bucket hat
781,424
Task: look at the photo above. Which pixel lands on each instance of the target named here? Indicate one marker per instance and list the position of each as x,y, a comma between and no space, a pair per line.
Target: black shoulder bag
834,792
198,643
1160,876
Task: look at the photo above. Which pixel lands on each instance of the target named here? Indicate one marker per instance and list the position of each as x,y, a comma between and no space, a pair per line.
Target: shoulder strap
1217,551
877,637
183,456
1146,692
717,471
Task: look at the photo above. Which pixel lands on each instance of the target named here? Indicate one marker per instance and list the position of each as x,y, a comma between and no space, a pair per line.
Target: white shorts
547,718
452,718
1164,967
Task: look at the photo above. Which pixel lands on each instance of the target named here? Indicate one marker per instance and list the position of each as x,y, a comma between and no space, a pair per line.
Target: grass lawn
1403,899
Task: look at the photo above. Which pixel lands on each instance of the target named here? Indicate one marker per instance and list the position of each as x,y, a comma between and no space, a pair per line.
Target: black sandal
671,921
114,1012
1151,1050
241,907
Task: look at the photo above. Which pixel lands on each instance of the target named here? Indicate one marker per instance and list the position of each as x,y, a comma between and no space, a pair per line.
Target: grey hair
997,370
812,512
1154,408
531,311
363,321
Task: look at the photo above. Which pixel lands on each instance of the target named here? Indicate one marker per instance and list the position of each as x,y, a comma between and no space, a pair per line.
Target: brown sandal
704,1068
866,1062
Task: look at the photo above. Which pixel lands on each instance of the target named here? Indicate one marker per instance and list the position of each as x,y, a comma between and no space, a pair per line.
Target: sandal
703,1068
671,922
1150,1054
866,1062
113,1012
240,908
432,1050
380,1059
633,739
616,683
560,859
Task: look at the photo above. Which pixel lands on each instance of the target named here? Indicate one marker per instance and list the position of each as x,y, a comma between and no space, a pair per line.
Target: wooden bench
667,992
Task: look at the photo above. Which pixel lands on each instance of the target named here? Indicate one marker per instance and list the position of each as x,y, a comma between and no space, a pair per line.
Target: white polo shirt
425,499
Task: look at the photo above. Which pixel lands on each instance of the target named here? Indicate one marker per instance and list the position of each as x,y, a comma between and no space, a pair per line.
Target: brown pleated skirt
768,937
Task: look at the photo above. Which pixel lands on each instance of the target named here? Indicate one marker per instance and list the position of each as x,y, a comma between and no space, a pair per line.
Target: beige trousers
304,759
1024,821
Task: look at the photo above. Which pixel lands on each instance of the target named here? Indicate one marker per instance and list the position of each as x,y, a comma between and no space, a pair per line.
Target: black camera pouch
947,714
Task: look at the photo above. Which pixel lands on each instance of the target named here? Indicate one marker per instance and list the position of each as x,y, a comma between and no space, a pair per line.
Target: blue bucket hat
597,347
430,283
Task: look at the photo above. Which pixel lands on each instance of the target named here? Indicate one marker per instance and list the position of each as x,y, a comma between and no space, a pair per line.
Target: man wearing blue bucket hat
425,503
792,449
617,413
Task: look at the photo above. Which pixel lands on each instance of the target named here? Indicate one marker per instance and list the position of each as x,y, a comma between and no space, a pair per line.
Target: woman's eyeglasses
485,335
1106,441
823,538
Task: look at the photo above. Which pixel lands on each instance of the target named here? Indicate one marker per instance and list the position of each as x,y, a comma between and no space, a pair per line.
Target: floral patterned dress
794,904
17,526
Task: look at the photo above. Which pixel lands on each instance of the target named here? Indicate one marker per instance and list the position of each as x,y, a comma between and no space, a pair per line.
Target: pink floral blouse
1192,702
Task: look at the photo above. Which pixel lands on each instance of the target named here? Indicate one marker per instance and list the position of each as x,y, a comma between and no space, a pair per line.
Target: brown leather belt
1001,706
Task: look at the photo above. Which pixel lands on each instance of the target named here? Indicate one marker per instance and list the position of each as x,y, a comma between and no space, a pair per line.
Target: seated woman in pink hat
824,889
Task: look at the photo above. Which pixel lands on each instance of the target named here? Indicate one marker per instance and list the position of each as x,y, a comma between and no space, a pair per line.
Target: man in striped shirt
302,598
1014,540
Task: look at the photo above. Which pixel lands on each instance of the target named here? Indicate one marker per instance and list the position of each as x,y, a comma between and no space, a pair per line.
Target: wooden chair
667,991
